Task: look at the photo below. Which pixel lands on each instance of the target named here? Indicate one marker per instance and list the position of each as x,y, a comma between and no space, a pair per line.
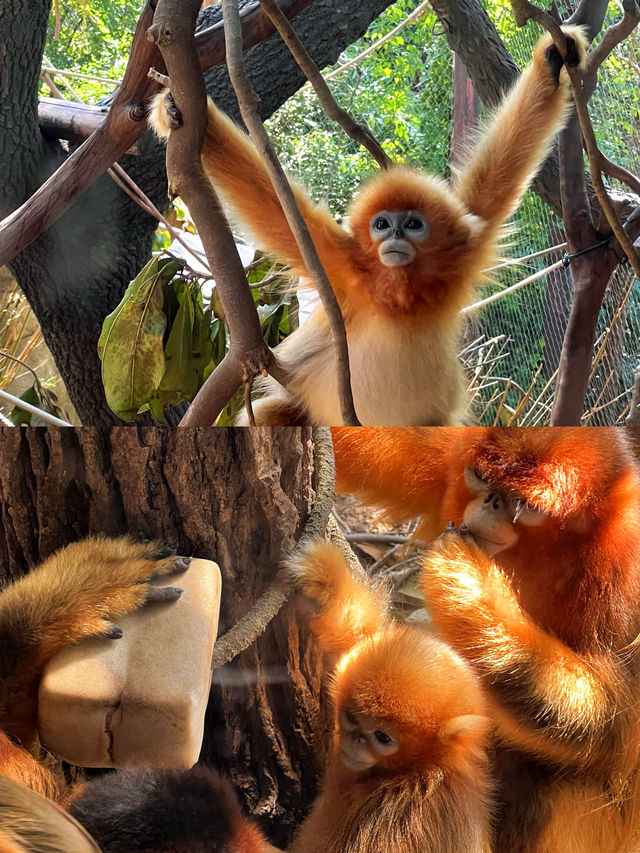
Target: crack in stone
108,732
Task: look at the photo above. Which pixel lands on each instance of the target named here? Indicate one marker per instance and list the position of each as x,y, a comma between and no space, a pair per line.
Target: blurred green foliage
94,39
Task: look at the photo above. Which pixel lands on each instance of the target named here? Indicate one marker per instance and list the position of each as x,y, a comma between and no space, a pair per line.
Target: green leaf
20,417
180,380
130,345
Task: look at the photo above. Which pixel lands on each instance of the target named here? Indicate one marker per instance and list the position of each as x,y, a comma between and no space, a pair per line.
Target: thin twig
510,262
413,16
356,131
248,102
377,538
512,288
129,186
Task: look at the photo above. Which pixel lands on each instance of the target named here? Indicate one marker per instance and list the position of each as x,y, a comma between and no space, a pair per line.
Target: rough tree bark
240,497
75,274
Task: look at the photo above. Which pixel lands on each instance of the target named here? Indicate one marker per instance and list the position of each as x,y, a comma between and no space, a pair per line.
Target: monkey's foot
575,55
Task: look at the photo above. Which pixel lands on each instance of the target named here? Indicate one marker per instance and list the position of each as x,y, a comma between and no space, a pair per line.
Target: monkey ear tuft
474,725
471,226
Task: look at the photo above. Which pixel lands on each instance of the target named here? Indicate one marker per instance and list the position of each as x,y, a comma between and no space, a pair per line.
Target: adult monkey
538,591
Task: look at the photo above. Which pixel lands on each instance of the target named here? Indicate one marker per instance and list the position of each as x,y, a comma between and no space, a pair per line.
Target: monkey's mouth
395,258
352,763
489,546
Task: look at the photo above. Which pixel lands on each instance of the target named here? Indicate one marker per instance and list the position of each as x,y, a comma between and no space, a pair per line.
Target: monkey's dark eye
414,224
382,737
381,224
351,718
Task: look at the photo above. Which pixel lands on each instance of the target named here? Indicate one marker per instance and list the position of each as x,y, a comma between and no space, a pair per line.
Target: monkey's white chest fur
399,376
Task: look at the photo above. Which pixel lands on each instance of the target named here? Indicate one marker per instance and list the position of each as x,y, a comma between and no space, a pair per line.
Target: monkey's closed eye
475,481
351,718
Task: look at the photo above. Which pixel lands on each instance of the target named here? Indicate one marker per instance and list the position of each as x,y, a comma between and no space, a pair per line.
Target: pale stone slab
140,700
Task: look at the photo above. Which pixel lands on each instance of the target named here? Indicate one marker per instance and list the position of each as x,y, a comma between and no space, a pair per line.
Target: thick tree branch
359,132
248,102
123,125
256,27
590,14
173,32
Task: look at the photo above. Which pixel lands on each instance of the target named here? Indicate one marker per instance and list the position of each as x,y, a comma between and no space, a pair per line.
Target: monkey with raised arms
408,261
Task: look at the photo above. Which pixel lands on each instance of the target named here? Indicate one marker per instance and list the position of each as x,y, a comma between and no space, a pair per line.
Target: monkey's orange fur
72,595
432,793
550,624
402,322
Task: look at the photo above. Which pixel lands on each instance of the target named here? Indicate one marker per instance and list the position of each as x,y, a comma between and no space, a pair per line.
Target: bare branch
248,102
356,131
595,166
124,124
256,27
122,127
590,273
612,38
613,170
524,11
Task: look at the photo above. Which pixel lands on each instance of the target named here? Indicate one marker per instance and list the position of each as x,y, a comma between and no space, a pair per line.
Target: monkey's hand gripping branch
547,700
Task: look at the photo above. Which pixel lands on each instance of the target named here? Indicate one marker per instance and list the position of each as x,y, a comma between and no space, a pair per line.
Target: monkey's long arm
402,469
76,593
521,133
546,699
237,171
347,609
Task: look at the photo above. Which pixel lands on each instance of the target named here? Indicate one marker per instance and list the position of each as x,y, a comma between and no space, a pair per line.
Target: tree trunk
76,273
466,109
240,497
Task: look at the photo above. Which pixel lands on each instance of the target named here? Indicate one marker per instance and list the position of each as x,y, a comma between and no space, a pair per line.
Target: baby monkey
407,769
